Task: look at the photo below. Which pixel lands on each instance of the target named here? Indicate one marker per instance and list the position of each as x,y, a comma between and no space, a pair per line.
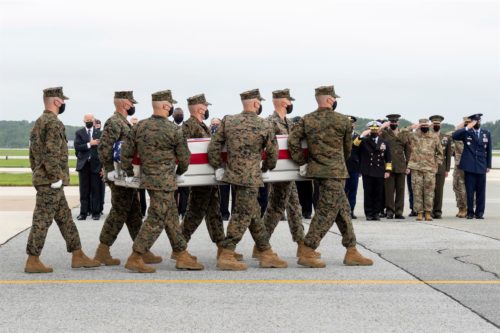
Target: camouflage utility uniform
458,175
49,163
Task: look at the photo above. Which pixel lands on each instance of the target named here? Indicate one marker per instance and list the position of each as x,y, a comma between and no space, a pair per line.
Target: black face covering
334,106
477,126
373,135
131,111
178,119
89,124
207,114
393,126
62,108
424,129
436,128
260,110
289,108
171,111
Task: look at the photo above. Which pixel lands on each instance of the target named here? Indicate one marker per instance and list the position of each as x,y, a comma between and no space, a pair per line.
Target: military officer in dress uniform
476,163
443,169
375,165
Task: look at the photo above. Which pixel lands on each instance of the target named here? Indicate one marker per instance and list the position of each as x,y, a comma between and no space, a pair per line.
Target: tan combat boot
175,255
269,259
136,264
255,252
237,256
186,261
103,255
227,262
354,258
462,212
428,216
150,258
300,249
34,265
309,259
420,216
79,260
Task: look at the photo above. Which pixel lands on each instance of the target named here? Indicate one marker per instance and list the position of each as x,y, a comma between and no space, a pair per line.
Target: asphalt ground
439,276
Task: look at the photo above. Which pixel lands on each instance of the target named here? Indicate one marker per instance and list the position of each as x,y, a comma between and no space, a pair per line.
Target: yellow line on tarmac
276,282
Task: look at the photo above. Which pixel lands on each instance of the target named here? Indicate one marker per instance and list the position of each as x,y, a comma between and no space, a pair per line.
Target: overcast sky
416,58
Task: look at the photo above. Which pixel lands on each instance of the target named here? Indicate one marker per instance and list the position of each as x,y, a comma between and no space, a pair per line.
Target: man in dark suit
352,163
88,167
375,166
475,162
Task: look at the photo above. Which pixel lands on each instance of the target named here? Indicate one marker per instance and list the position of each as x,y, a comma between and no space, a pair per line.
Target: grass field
24,179
17,163
24,152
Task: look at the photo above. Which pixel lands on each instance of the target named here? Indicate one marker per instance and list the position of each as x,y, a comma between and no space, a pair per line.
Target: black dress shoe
479,217
81,217
390,216
96,217
354,217
307,216
225,217
470,217
413,213
369,218
383,215
399,217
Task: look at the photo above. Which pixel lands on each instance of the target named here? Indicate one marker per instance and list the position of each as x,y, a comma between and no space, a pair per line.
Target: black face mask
131,111
171,111
373,135
424,129
178,119
89,124
393,126
334,106
436,128
207,114
62,108
289,108
259,111
477,126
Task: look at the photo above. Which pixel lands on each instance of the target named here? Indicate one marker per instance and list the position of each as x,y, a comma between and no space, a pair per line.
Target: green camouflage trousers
283,196
246,215
423,184
204,202
125,208
162,214
459,188
51,205
332,207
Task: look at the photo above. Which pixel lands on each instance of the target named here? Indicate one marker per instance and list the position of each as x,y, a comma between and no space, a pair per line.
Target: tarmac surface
439,276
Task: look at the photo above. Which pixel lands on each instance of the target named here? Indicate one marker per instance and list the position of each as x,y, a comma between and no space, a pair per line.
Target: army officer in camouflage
159,144
444,168
283,196
49,164
245,135
426,156
457,148
203,201
328,136
125,206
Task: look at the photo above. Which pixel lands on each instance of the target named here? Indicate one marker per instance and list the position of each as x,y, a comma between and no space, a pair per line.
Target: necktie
88,132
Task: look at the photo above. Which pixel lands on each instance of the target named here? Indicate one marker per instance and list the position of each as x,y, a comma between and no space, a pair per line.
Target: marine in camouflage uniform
159,144
426,156
443,169
203,201
245,135
283,196
400,152
48,155
457,147
328,137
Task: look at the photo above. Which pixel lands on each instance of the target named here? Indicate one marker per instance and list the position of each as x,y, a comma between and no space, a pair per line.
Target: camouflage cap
476,116
352,119
424,122
125,95
54,92
285,93
197,99
437,119
326,90
251,94
373,124
163,95
393,117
